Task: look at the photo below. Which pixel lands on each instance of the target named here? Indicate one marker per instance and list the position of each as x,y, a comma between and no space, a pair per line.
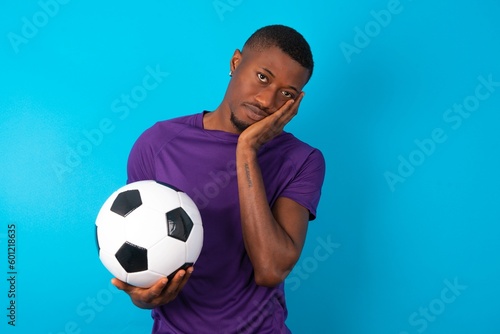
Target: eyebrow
272,74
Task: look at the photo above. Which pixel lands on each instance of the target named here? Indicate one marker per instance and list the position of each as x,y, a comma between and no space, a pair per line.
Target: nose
265,99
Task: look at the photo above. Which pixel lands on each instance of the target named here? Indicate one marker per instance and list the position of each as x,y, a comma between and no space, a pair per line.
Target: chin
239,124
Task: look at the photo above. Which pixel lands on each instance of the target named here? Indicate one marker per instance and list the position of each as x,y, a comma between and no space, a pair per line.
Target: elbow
269,278
272,273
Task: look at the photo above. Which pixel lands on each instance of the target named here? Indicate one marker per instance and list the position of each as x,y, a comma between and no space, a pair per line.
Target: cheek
240,91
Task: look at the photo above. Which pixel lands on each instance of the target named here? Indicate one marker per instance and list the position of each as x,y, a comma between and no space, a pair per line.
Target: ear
235,60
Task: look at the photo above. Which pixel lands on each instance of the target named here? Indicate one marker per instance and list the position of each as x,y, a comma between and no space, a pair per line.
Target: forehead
281,65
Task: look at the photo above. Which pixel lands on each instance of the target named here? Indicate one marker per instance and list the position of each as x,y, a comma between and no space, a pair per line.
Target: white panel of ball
145,219
170,255
194,243
143,279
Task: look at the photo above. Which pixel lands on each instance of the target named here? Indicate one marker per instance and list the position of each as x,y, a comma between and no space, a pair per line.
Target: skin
263,95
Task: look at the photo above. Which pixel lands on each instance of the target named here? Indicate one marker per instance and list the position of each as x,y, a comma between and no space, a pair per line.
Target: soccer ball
147,230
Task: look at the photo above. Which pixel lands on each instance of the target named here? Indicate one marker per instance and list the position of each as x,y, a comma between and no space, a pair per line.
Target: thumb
120,285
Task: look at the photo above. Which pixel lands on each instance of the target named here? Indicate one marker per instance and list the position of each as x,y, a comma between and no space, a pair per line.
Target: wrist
245,150
244,145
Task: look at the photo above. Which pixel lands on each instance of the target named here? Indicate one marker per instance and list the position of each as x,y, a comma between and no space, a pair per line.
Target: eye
262,77
286,94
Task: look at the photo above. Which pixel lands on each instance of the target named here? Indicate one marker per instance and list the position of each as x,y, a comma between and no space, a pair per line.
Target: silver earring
230,73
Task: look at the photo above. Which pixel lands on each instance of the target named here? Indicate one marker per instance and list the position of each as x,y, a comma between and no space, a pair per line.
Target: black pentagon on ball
126,202
132,257
179,225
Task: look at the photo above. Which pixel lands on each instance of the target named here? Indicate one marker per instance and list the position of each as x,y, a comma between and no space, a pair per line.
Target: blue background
397,224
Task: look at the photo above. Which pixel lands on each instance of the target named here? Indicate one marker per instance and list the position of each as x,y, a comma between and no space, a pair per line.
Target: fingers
296,103
285,108
178,282
300,97
287,112
189,271
290,108
162,292
147,294
156,290
120,285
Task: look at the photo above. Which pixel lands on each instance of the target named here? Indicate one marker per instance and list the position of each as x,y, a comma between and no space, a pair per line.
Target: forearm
271,250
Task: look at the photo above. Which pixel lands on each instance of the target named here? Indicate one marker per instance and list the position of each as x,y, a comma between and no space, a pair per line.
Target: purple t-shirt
221,296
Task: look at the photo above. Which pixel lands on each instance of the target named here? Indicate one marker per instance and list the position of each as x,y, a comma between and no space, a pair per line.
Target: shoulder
163,132
178,123
141,162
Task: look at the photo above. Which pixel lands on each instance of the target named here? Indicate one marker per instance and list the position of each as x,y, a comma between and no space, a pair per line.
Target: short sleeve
305,187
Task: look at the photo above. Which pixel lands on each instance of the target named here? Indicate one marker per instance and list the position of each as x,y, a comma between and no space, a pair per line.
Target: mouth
254,112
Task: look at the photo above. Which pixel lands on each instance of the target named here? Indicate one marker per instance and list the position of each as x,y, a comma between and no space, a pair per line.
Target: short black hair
285,38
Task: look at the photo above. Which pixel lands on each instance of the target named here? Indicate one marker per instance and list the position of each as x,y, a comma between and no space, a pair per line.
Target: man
256,186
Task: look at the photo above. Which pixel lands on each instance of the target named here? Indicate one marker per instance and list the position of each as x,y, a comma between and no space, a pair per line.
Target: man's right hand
162,292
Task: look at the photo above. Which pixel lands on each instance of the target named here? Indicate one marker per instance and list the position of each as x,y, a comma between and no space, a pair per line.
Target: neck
219,119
